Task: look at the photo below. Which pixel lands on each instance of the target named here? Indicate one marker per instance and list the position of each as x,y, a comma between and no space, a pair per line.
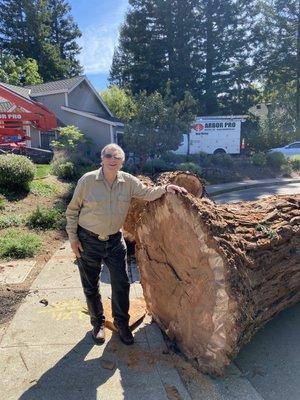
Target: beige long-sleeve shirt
102,209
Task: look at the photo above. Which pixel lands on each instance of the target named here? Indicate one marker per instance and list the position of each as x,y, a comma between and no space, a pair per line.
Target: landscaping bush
222,159
66,171
190,167
172,158
45,218
17,244
294,162
259,159
202,158
276,160
16,171
157,165
286,170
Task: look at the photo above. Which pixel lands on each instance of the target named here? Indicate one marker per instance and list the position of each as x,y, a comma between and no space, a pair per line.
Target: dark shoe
125,334
98,334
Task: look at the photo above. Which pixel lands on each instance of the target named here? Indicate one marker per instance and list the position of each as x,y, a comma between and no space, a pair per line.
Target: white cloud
98,43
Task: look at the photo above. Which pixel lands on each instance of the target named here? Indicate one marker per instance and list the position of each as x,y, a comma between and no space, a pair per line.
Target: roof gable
63,85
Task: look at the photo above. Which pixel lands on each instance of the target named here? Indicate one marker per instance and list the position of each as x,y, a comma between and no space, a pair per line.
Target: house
74,101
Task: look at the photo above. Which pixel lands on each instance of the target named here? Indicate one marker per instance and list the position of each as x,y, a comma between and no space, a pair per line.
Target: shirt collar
100,176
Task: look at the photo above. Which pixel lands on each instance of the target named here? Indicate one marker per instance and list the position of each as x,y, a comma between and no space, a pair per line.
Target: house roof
23,91
63,85
108,120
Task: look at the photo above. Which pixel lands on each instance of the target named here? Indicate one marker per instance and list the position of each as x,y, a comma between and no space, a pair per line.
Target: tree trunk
136,208
212,275
191,182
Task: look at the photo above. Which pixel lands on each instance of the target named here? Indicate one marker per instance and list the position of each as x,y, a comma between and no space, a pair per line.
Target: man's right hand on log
176,189
77,248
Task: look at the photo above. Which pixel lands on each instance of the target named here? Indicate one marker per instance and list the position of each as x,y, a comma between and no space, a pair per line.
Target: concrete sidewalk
47,351
214,190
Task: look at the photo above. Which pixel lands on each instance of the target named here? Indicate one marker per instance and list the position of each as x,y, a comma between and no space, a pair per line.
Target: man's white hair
113,146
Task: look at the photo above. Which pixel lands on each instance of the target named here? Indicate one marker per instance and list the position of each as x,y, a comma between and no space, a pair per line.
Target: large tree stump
134,212
191,182
212,275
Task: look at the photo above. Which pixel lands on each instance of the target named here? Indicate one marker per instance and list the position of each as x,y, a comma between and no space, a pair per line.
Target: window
295,145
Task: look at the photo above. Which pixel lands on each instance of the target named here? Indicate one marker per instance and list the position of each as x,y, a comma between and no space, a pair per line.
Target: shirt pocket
123,203
96,206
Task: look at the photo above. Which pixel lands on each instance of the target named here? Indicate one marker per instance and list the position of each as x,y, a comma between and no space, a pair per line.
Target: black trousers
114,253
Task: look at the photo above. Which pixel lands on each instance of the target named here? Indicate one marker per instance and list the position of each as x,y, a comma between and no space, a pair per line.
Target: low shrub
190,167
286,170
45,218
17,244
16,172
259,159
170,157
222,159
201,158
156,165
276,160
294,162
66,171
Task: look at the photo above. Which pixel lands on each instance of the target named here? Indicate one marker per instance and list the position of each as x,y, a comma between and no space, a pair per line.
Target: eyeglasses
109,155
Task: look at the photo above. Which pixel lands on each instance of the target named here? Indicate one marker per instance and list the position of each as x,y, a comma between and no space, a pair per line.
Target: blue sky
99,22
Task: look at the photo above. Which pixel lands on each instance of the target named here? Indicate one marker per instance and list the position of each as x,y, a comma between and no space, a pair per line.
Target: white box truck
217,134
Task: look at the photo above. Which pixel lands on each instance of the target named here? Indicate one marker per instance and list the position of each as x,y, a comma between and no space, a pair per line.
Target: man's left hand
176,189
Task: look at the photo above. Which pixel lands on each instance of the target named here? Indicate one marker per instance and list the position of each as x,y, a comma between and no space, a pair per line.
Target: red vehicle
19,113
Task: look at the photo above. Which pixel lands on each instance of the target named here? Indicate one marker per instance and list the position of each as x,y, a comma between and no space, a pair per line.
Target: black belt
104,238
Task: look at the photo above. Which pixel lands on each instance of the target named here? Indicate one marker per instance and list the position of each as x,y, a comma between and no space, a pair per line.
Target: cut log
134,212
212,275
191,182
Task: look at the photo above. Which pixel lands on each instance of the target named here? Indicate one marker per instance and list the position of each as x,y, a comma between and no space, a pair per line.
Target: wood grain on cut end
191,182
212,274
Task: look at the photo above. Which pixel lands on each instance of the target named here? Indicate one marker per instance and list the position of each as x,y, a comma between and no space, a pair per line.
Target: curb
249,186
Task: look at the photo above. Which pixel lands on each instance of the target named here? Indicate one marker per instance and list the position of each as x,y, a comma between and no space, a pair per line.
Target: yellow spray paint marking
65,310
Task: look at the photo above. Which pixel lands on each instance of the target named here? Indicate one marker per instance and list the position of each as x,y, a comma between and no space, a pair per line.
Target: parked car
292,149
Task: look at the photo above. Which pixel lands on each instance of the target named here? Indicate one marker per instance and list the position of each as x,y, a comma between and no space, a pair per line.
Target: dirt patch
23,204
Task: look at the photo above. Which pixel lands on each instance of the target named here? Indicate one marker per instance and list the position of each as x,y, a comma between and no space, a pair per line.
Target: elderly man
95,217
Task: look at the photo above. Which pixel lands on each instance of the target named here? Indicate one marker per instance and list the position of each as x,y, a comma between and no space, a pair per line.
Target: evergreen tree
155,47
158,124
63,34
278,56
18,72
205,46
26,32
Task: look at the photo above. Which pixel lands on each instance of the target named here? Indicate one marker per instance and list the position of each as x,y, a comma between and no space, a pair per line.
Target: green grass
17,244
43,189
42,170
2,202
7,221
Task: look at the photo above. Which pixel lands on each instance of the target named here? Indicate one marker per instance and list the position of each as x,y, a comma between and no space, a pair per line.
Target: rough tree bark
188,180
136,208
212,275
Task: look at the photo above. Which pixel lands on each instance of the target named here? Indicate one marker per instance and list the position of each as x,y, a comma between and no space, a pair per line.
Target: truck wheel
219,151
